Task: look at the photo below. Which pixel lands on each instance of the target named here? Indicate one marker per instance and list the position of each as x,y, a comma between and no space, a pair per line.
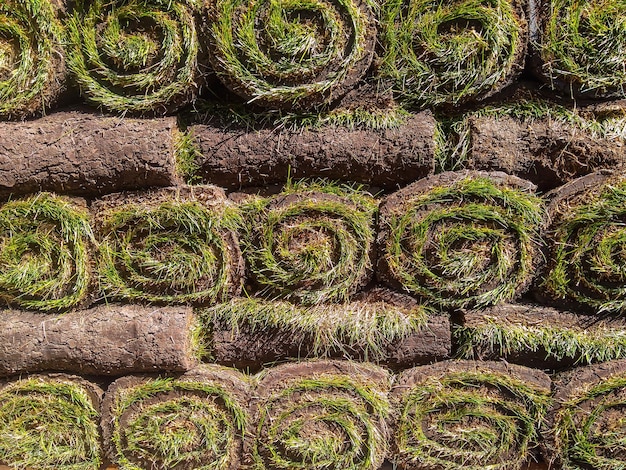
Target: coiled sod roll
321,415
470,415
50,422
45,244
32,70
460,239
581,46
138,56
291,53
311,244
587,239
451,51
587,420
193,422
174,245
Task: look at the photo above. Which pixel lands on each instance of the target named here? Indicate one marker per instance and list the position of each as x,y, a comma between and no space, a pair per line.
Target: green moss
44,253
582,44
30,68
330,421
165,423
472,420
472,242
48,424
598,344
588,238
311,243
300,56
449,52
325,328
175,252
134,55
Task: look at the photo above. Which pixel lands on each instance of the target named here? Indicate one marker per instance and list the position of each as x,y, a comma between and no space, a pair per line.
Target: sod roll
586,421
32,68
378,326
137,56
169,246
46,246
579,47
194,421
105,340
312,243
453,51
320,415
83,153
540,337
461,238
50,422
586,239
238,156
466,414
294,54
546,144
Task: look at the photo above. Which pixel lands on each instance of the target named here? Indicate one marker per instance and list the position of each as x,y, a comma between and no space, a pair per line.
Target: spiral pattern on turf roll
291,53
581,46
477,418
50,423
451,51
184,423
32,70
44,253
323,418
311,246
466,239
174,252
588,248
136,56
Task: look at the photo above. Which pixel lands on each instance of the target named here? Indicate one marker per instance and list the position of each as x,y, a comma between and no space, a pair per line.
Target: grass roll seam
135,56
173,245
193,421
451,52
312,243
320,415
460,239
32,65
50,422
468,414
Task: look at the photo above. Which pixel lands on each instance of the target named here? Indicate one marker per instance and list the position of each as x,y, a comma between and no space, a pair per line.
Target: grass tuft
312,243
44,253
49,423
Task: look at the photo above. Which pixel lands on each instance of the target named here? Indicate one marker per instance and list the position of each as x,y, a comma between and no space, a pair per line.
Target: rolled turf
192,422
466,414
50,422
461,238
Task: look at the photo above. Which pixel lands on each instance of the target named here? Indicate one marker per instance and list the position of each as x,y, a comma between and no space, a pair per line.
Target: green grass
471,243
165,423
174,252
449,52
588,428
325,329
30,57
49,423
330,421
600,343
137,56
471,420
311,243
186,153
44,253
582,44
587,246
301,55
